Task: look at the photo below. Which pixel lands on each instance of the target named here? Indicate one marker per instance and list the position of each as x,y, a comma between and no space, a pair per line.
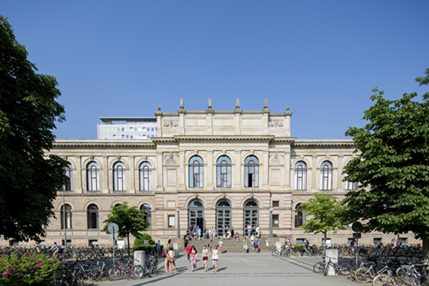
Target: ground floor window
171,221
275,220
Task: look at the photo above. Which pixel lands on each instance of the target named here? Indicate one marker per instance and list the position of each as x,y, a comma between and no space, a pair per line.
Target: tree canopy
129,219
325,211
392,167
29,180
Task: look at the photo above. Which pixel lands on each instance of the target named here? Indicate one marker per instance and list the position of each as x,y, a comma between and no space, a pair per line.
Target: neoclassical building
221,168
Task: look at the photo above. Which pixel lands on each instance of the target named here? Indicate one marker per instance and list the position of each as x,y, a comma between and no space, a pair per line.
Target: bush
35,270
142,237
146,248
298,246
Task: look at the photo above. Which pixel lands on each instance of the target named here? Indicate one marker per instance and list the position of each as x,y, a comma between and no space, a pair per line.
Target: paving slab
237,269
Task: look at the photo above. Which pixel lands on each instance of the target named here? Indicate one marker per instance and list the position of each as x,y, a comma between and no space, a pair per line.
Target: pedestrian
167,265
256,245
220,246
194,258
210,233
257,231
237,236
215,258
194,234
205,256
232,232
214,233
252,239
170,259
188,251
199,233
204,232
210,245
158,247
249,229
245,245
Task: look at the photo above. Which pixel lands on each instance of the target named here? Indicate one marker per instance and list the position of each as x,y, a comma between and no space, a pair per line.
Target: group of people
254,244
205,253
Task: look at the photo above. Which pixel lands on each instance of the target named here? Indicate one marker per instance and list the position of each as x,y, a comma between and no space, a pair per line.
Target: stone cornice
323,143
102,144
179,138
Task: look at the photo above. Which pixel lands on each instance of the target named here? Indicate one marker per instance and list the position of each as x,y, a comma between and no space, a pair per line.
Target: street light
271,221
178,222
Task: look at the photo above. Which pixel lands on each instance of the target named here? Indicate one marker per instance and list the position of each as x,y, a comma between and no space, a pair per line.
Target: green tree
129,219
392,167
325,211
29,180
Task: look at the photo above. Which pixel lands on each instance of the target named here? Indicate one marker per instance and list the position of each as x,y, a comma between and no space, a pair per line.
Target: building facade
213,168
115,128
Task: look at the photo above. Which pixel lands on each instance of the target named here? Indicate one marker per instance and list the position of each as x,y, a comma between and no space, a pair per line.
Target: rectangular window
68,242
131,136
122,136
275,220
152,129
93,241
349,240
127,136
171,221
148,136
118,129
151,136
300,241
114,136
131,128
275,203
42,242
143,128
123,129
135,128
377,240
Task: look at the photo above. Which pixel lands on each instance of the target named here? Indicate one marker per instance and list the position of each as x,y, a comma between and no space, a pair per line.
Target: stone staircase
229,246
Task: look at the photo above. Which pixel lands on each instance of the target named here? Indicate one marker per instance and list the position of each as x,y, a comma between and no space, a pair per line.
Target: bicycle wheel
274,253
79,280
318,267
383,280
115,273
95,274
132,273
363,275
139,271
353,272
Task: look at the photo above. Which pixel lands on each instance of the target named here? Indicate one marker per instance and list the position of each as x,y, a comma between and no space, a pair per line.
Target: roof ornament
265,104
237,104
210,104
181,104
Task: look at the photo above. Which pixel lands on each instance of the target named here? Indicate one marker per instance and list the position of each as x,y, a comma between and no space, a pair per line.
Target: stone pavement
242,269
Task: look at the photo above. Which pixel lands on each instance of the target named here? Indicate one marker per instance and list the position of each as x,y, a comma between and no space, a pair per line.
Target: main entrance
196,214
251,215
223,217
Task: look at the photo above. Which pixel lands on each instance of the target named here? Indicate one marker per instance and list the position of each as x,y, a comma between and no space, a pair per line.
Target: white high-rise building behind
126,128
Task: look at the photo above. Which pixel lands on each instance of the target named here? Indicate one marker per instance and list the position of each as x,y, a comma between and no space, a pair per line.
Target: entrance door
196,214
251,215
223,217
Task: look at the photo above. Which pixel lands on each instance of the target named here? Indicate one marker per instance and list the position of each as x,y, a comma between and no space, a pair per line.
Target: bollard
278,246
139,257
176,249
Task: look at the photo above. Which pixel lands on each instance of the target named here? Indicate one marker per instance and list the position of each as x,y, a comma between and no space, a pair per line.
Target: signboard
113,237
357,226
356,235
145,241
113,228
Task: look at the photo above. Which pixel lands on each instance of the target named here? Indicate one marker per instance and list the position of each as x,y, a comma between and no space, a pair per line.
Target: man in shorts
256,244
245,245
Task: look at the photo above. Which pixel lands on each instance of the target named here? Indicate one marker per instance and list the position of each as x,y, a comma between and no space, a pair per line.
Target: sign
357,226
357,235
113,228
113,237
145,241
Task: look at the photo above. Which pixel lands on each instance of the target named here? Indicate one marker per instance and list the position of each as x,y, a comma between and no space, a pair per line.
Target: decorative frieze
169,158
276,124
171,123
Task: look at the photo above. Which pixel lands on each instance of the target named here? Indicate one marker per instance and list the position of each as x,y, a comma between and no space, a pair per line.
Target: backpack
163,254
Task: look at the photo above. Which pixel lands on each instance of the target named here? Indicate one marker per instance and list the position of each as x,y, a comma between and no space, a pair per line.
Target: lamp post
178,222
64,220
271,221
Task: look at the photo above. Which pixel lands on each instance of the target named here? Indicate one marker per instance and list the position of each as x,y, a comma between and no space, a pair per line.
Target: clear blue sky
320,58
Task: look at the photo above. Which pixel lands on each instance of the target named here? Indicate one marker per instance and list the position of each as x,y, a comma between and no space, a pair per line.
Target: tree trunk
425,250
324,241
128,237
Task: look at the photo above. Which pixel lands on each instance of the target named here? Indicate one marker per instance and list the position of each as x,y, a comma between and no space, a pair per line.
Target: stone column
265,172
182,171
287,173
160,183
209,170
106,178
236,175
314,174
130,180
79,175
339,175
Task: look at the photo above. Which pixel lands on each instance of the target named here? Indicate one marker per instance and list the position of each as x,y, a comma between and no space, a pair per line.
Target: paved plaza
242,269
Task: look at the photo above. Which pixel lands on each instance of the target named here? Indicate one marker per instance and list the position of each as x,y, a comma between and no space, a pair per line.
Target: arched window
223,172
118,205
68,217
326,176
119,177
68,186
93,177
299,216
251,172
300,176
92,216
351,185
145,176
196,172
146,209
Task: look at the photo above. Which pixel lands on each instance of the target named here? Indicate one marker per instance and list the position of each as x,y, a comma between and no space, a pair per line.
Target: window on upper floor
146,209
251,172
300,176
196,172
223,172
145,172
93,177
68,186
326,176
119,177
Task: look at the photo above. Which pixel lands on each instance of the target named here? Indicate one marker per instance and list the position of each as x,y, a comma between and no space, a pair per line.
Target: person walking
205,256
210,233
245,245
249,230
204,232
232,232
167,266
188,251
194,258
170,259
237,236
215,258
256,245
252,240
220,245
257,231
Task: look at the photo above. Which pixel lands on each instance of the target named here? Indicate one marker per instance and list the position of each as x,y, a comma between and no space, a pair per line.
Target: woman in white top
215,258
